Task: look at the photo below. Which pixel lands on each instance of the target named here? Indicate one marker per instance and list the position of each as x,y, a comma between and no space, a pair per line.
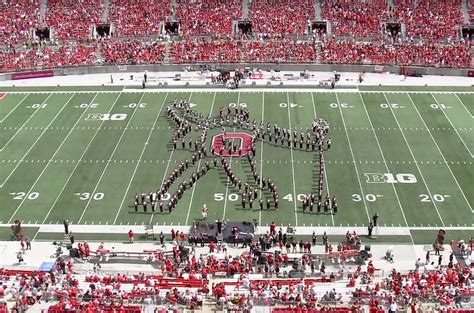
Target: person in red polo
272,228
131,236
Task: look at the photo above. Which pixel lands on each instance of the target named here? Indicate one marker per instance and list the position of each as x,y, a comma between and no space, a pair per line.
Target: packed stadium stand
132,51
355,18
429,18
206,50
208,17
141,17
281,17
423,53
73,19
354,32
285,50
17,18
471,12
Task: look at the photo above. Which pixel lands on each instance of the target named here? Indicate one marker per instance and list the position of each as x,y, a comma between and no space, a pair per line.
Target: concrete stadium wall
270,66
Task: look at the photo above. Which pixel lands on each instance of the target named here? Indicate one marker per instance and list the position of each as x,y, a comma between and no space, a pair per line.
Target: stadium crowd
72,19
48,57
242,279
272,21
281,51
17,18
140,17
422,53
137,51
281,16
428,18
354,18
205,50
132,51
210,17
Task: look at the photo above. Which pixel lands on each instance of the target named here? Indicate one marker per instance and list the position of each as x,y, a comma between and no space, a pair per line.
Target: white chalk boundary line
249,90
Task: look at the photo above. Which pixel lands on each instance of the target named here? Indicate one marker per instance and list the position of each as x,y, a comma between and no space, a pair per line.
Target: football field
407,156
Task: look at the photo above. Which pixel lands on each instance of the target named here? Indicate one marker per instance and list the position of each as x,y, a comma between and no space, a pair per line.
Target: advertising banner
28,75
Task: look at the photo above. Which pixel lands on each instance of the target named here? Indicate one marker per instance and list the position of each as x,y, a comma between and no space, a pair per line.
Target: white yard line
468,112
111,156
230,164
325,174
11,111
440,152
353,158
414,159
462,140
199,164
23,125
34,143
295,196
385,162
78,162
145,145
166,169
261,162
52,157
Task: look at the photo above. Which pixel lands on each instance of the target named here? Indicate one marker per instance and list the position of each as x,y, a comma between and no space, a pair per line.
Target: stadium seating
180,281
132,51
354,18
204,50
72,19
138,17
435,19
271,21
279,51
208,17
13,60
17,18
72,55
424,53
471,10
48,57
281,16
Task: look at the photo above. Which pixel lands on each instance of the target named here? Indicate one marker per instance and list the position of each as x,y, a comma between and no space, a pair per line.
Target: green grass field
57,163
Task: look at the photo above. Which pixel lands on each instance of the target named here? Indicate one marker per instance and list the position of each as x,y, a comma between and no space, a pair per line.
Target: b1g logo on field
241,140
390,178
106,117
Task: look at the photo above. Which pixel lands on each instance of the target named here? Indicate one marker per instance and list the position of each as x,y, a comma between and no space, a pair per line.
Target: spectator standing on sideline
71,237
145,76
28,243
19,257
417,264
66,227
370,228
131,236
162,239
437,247
375,219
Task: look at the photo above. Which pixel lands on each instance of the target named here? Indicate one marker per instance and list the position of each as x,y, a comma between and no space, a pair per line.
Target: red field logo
2,94
241,140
